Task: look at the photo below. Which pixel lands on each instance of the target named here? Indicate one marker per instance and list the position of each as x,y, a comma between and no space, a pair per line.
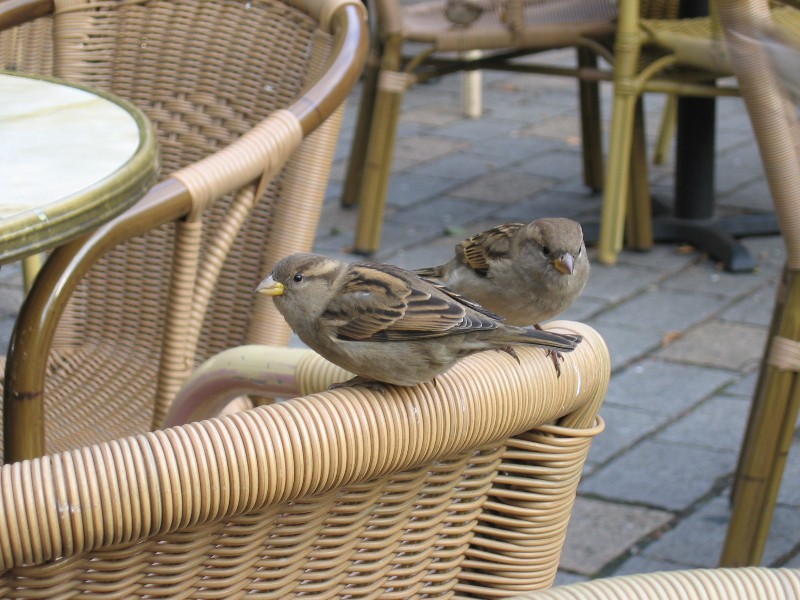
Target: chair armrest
16,12
287,372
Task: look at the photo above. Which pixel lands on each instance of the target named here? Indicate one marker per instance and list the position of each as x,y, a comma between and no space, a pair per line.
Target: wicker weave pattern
447,489
207,74
700,584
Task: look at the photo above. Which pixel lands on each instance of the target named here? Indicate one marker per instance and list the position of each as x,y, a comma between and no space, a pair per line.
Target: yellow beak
565,263
270,287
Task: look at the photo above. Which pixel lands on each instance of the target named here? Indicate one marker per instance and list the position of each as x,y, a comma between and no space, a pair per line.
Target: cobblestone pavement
685,337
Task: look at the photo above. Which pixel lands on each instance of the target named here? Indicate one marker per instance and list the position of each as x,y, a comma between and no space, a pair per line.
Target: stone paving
685,337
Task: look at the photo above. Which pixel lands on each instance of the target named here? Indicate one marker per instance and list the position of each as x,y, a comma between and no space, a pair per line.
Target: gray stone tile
770,251
421,148
516,146
790,482
599,532
502,187
706,278
443,211
719,344
460,166
614,284
642,564
666,388
476,130
717,423
660,474
565,578
546,203
697,541
556,165
435,114
744,386
755,309
406,189
583,309
625,344
624,427
793,563
663,310
666,258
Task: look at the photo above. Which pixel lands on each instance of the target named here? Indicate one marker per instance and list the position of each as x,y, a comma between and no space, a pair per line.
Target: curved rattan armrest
168,201
286,372
16,12
697,584
171,479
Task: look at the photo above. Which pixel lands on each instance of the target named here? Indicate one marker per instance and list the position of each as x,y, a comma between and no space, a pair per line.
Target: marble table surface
70,159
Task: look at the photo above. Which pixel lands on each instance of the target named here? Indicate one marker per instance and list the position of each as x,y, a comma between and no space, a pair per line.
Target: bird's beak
565,263
270,287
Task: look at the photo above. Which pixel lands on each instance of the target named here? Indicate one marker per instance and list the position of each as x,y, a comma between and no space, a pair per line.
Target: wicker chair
246,99
775,404
506,29
459,487
700,584
654,52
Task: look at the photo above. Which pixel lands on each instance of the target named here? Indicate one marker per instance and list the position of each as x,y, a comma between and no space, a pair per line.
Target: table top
71,158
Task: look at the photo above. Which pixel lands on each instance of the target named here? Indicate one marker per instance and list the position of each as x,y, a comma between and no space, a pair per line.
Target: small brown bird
524,273
462,12
384,323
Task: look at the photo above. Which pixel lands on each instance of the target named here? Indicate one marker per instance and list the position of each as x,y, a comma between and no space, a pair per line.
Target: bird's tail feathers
563,342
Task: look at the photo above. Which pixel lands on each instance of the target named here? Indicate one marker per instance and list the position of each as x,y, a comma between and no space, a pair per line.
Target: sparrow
527,274
386,324
462,12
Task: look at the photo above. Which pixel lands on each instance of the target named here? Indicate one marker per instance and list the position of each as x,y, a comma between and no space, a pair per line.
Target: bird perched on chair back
462,12
384,323
524,273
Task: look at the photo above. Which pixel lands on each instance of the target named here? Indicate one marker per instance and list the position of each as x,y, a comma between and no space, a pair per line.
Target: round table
71,158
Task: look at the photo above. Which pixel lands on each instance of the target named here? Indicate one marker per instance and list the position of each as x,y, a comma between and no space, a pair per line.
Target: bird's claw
557,359
510,350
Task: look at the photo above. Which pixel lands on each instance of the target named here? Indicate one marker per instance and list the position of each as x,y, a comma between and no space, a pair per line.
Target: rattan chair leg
358,151
767,442
666,130
615,193
639,221
591,132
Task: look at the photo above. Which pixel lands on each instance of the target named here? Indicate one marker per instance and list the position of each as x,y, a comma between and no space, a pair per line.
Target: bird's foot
510,350
557,359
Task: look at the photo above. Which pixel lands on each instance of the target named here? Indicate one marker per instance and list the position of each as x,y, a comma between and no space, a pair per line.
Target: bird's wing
382,303
480,250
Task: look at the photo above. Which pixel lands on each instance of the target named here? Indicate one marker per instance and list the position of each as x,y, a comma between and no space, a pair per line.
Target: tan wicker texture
233,89
776,403
506,29
701,584
458,488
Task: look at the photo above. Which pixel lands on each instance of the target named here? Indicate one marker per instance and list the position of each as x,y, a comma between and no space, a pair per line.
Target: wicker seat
246,99
654,51
773,414
459,487
415,42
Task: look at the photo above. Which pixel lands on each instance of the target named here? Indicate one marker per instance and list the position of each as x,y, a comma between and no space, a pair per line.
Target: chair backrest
460,486
224,83
772,110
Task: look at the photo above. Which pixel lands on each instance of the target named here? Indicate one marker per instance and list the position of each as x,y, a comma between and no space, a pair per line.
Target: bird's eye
545,250
298,277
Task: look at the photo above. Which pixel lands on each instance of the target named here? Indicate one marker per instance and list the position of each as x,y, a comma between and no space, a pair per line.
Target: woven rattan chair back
161,301
460,487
